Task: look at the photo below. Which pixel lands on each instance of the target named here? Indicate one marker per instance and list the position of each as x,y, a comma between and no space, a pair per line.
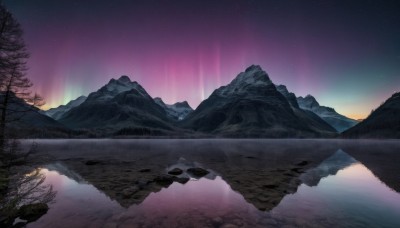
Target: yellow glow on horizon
356,116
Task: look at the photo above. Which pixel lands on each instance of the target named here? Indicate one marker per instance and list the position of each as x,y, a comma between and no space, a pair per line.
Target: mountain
310,118
291,97
120,107
384,122
336,120
251,106
24,120
177,111
56,113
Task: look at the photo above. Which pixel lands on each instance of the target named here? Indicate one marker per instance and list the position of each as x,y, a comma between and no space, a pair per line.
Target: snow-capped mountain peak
308,101
124,79
115,87
254,75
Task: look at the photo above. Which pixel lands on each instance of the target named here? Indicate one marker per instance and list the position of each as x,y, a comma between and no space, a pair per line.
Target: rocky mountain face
56,113
251,106
336,120
291,97
384,122
177,111
120,106
310,118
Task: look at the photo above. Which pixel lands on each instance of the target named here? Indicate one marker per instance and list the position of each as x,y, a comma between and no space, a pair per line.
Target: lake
249,183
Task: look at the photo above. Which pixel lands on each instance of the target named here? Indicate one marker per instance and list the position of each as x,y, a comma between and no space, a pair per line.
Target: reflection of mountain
262,171
117,180
380,157
330,166
61,169
263,179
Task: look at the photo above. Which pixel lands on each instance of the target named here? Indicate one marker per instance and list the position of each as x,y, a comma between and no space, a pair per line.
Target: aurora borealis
345,53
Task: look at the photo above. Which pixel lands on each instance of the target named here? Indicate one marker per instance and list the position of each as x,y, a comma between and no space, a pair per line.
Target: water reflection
330,166
353,197
27,197
340,191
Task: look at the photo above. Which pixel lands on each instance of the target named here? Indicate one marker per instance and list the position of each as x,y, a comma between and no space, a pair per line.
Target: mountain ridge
384,122
249,106
56,113
328,114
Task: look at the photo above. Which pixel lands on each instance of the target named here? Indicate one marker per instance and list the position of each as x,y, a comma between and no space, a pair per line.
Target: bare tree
27,189
15,95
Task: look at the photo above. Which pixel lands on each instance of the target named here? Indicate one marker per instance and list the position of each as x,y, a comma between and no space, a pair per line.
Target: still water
340,191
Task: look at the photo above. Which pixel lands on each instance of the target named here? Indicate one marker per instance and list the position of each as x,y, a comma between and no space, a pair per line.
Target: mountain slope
250,106
120,106
177,111
336,120
24,120
308,117
56,113
384,122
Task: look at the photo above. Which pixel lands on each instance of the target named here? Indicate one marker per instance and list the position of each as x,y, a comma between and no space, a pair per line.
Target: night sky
345,53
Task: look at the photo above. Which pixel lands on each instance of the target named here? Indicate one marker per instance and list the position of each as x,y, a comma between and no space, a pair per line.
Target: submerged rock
198,172
175,171
217,221
144,170
182,180
229,226
164,180
92,162
33,212
303,163
128,192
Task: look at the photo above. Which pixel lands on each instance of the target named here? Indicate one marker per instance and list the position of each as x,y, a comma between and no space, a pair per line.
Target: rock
3,182
297,170
175,171
19,225
128,192
110,225
92,162
182,180
263,199
217,221
198,172
33,212
145,170
238,222
164,180
303,163
229,226
270,186
141,183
